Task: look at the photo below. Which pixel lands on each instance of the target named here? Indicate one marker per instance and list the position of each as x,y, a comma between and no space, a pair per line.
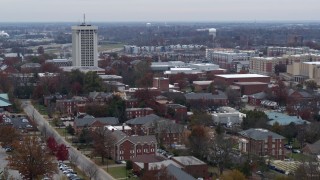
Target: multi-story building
129,147
262,142
228,59
266,65
280,51
60,62
234,78
138,112
301,71
84,45
161,83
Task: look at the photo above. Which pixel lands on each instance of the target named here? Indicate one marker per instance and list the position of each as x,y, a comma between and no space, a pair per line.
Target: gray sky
158,10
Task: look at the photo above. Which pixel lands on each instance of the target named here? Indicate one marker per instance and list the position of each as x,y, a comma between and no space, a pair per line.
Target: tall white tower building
84,45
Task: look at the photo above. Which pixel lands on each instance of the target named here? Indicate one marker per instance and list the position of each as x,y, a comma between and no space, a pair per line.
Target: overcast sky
158,10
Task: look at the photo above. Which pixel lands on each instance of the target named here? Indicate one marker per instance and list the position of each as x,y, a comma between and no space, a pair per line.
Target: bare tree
91,171
219,152
73,158
103,142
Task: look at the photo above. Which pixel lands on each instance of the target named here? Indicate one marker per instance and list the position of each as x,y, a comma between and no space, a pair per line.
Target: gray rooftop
143,120
188,160
197,96
260,134
140,139
178,173
80,122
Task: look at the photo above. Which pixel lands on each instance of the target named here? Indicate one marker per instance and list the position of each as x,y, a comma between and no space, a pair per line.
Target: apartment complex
301,71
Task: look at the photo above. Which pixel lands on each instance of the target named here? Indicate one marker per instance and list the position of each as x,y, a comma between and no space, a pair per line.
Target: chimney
112,129
123,126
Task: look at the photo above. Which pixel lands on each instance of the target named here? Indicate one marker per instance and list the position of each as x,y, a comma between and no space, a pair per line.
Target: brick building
92,122
128,147
248,88
138,112
177,111
229,79
262,142
204,100
192,166
161,83
167,131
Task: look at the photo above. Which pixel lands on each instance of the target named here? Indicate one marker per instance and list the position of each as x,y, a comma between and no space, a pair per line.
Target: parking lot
3,155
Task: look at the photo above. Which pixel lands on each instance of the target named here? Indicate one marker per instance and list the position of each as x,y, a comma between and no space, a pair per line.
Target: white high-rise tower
84,45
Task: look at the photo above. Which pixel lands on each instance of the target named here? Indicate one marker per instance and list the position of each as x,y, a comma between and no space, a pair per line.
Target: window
152,150
121,152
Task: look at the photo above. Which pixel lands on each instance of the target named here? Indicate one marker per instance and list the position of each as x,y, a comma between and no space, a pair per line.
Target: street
83,163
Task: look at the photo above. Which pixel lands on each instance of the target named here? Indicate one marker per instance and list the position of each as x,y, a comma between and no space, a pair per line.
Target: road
83,163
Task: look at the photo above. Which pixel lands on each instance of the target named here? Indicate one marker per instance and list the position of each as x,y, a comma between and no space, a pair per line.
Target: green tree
254,119
92,82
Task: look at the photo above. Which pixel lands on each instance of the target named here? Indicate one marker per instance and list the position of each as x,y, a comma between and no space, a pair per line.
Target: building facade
262,142
84,45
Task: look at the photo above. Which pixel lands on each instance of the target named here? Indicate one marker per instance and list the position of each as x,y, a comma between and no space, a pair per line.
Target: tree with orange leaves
32,159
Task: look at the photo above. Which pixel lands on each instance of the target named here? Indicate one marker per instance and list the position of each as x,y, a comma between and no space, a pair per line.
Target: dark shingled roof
143,120
260,134
80,122
140,139
196,96
178,173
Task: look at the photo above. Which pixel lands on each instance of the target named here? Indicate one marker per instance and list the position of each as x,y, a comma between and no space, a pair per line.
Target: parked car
296,151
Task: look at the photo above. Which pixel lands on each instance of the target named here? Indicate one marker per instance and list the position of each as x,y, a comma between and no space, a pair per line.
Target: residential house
262,142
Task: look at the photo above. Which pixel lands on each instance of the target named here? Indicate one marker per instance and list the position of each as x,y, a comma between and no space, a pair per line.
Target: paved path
83,162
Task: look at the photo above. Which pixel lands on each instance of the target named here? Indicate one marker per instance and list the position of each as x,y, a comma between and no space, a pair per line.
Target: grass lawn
97,160
106,47
117,172
42,109
300,157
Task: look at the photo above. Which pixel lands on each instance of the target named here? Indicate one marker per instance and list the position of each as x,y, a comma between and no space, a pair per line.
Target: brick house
204,100
262,142
100,97
128,147
137,123
132,103
192,166
137,112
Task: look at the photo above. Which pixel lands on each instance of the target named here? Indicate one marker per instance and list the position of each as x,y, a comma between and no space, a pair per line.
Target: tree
233,175
91,171
62,152
73,158
201,118
280,68
40,50
92,82
254,119
219,152
8,135
31,159
70,129
198,141
52,145
103,141
233,97
129,165
311,85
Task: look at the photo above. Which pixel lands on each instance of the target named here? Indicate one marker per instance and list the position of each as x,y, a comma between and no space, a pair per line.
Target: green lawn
42,109
300,157
117,172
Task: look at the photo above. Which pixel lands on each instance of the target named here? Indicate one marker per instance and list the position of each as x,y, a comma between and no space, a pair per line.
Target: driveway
83,163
